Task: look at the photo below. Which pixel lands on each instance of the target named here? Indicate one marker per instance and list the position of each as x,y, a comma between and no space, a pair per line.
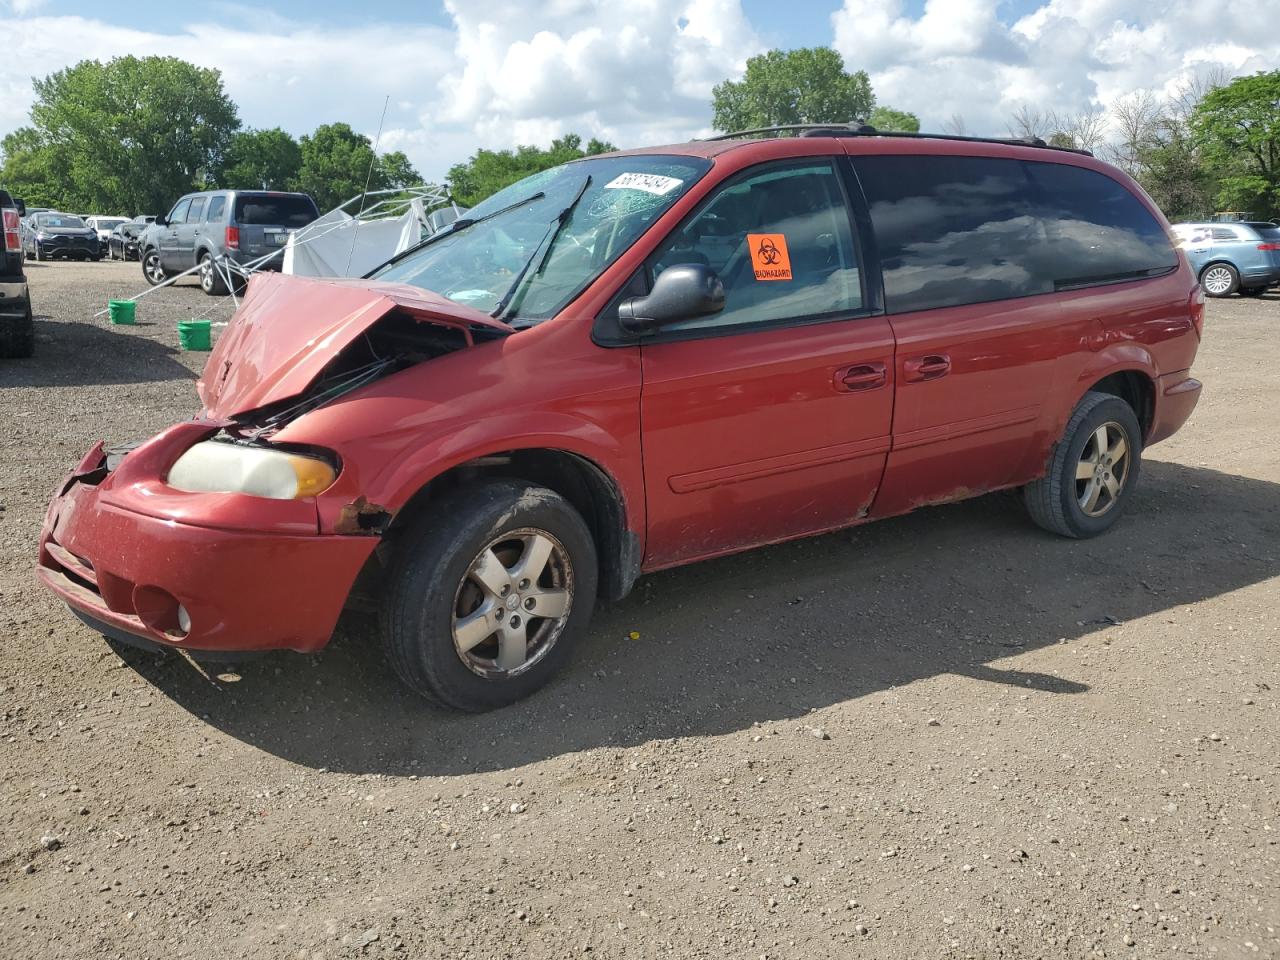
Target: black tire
39,255
18,337
1054,500
211,281
430,574
1220,289
152,269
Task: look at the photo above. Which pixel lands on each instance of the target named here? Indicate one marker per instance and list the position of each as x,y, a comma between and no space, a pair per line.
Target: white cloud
957,57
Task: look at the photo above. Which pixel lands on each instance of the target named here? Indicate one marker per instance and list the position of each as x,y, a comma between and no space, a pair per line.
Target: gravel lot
945,735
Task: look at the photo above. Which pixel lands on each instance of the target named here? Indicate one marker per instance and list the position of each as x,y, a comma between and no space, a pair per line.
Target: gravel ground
944,735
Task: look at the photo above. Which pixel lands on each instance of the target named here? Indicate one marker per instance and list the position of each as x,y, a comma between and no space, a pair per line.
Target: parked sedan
61,235
123,242
1228,258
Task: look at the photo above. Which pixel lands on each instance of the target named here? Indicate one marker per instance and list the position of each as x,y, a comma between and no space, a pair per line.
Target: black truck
17,329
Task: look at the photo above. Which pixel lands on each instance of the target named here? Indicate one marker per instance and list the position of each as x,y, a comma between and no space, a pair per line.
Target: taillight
233,238
1269,246
12,242
1197,310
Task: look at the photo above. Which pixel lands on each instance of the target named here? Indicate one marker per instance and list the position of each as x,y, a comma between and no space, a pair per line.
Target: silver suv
242,225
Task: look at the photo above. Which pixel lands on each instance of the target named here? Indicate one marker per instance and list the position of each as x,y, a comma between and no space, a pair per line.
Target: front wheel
1092,470
1220,280
152,269
488,594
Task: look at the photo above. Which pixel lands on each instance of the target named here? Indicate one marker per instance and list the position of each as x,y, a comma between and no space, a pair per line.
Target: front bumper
69,247
123,551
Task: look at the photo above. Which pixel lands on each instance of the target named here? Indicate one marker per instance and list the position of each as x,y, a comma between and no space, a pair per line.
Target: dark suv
17,329
242,225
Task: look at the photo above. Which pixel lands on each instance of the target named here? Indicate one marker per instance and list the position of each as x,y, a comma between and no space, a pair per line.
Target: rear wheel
152,269
211,281
18,337
488,594
1220,280
1092,470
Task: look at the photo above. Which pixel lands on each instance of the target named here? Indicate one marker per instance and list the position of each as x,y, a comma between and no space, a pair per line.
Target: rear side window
1098,232
960,230
217,205
1224,233
197,210
282,211
952,230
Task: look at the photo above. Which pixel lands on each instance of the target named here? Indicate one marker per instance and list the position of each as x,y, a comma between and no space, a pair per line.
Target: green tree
808,85
337,162
894,121
127,136
261,159
1237,126
488,171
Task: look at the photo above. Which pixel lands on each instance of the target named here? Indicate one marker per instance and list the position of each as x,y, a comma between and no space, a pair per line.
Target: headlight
216,466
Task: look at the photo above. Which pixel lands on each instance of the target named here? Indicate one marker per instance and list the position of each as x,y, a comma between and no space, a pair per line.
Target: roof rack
857,128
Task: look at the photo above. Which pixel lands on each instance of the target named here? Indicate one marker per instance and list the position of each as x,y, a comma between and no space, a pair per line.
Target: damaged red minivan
634,361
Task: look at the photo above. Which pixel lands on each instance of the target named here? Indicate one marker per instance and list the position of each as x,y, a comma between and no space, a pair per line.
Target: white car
104,227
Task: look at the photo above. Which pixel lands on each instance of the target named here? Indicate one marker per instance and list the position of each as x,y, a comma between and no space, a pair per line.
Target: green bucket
194,334
122,311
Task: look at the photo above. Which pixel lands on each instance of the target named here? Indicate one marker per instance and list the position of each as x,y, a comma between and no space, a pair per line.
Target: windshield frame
574,175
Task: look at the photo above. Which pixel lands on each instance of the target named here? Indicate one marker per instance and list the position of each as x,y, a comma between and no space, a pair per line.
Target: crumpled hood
288,328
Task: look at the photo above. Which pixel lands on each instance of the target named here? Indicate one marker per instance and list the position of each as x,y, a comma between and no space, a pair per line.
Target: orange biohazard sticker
769,256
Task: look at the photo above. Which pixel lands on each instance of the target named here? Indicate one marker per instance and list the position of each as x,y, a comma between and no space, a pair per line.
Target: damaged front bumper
197,571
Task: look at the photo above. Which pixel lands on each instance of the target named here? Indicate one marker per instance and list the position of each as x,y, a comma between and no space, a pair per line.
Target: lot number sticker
648,182
769,256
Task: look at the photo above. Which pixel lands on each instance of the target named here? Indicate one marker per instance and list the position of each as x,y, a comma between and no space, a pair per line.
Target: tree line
132,135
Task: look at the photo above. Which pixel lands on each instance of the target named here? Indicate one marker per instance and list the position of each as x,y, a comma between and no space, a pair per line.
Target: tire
39,255
432,588
211,281
18,338
1219,280
1055,500
152,269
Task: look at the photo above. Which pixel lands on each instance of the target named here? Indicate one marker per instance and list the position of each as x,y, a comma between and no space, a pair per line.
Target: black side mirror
161,222
21,206
681,292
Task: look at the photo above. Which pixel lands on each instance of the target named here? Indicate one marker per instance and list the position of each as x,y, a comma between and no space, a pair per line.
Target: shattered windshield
478,265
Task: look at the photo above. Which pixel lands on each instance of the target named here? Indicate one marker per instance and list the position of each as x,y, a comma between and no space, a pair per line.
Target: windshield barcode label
648,182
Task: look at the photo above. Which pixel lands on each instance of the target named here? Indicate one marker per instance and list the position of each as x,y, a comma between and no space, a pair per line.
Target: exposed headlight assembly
216,466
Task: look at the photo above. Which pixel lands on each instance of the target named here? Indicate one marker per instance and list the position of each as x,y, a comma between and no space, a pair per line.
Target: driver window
780,240
179,212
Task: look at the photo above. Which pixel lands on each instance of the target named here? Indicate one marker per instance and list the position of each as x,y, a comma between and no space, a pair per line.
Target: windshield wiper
546,244
462,223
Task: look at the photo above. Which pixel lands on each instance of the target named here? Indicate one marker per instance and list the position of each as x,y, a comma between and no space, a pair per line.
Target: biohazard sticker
648,182
769,256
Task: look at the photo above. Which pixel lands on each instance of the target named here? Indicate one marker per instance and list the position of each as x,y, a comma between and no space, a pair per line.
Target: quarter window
780,240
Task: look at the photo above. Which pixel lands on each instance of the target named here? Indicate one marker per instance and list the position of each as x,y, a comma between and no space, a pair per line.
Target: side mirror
161,222
21,206
681,292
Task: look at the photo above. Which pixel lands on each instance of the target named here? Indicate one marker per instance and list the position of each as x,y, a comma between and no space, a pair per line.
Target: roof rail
857,128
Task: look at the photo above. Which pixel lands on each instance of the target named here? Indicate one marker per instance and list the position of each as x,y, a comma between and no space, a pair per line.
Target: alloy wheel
1217,280
1103,469
513,603
155,272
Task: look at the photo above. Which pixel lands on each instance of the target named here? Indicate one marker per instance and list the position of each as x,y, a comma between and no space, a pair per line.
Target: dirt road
948,735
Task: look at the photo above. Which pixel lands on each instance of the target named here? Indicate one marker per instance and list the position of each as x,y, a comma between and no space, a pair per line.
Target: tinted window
952,230
275,211
1098,231
780,240
179,212
957,230
197,210
217,205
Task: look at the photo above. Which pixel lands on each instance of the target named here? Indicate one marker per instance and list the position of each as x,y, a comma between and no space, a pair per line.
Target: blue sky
464,74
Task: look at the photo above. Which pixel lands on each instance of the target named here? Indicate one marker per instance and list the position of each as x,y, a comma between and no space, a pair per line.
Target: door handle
932,367
861,376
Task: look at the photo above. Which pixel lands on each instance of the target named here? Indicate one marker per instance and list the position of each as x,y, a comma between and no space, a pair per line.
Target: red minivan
633,361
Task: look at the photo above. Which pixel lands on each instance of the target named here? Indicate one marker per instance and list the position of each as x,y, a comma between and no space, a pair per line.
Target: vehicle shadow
772,634
109,356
